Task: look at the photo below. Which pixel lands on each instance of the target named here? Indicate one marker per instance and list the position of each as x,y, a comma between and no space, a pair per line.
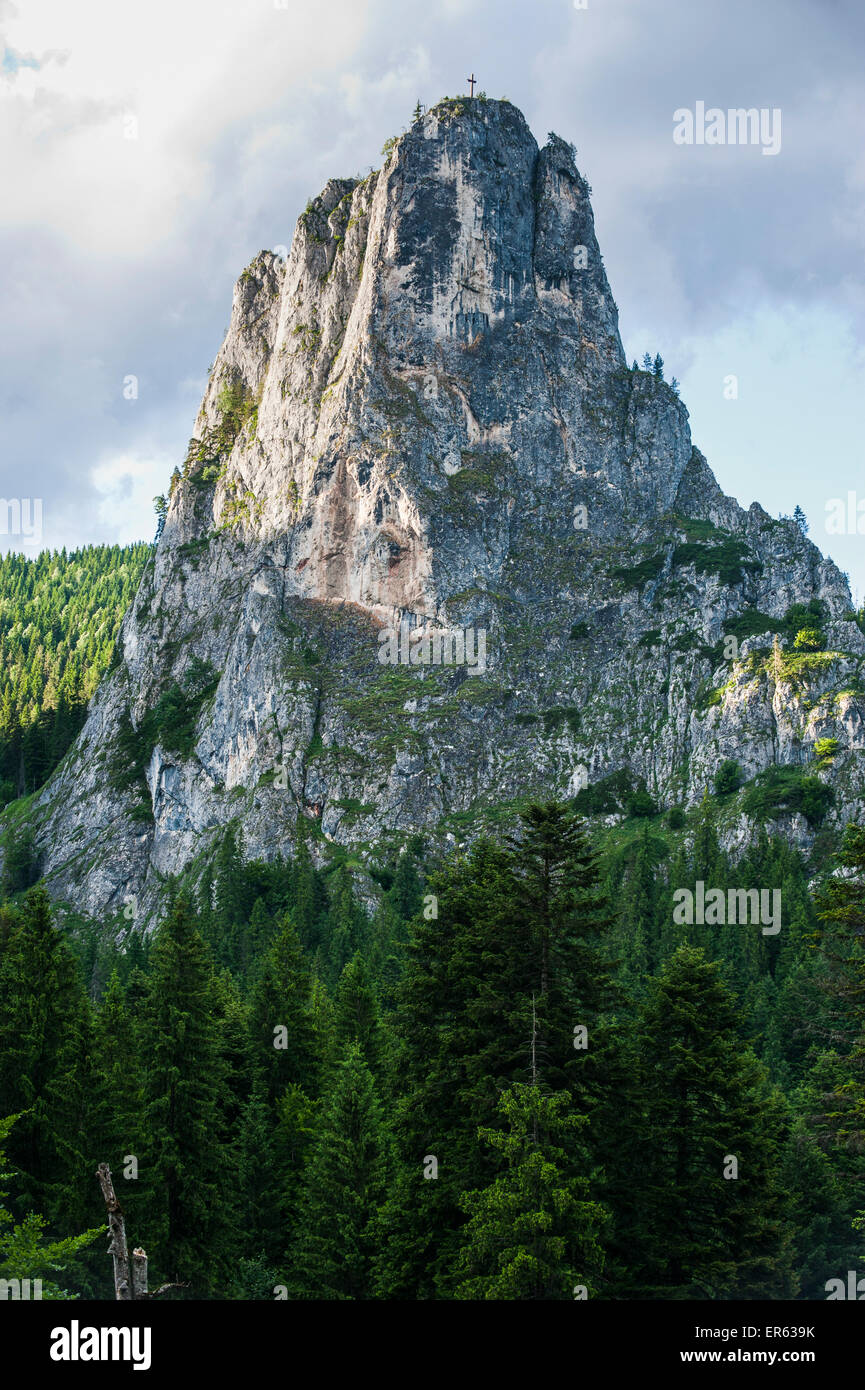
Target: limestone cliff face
424,417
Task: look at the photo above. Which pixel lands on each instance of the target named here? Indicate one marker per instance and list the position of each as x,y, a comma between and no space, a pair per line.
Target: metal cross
471,81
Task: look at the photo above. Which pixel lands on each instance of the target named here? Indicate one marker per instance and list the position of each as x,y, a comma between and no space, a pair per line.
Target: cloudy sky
149,151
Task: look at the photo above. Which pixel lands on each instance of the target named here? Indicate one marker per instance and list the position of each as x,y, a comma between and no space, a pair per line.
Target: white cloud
185,73
124,487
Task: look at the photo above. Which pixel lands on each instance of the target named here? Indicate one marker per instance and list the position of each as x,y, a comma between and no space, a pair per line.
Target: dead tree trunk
139,1273
126,1288
117,1229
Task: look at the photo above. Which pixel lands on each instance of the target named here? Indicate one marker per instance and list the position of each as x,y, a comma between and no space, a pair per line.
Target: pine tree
258,935
310,899
636,941
561,915
455,1037
406,892
232,904
388,937
184,1153
534,1231
232,1014
44,1015
259,1183
160,506
344,1186
118,1098
356,1013
24,1252
326,1048
20,863
709,863
282,1037
838,1077
694,1232
294,1135
512,924
346,924
818,1212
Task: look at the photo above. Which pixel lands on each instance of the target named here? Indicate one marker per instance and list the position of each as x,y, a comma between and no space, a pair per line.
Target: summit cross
471,81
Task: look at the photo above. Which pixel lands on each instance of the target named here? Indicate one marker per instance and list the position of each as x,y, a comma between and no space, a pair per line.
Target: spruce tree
533,1233
818,1211
559,918
346,927
310,898
454,1039
837,1081
636,941
185,1145
232,904
44,1072
356,1013
282,1038
25,1254
120,1076
695,1230
517,933
344,1186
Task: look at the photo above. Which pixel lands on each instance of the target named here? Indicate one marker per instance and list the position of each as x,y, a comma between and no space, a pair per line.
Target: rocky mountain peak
395,348
422,418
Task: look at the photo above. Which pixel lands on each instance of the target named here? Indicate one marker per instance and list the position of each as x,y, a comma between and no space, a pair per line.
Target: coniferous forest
511,1077
59,615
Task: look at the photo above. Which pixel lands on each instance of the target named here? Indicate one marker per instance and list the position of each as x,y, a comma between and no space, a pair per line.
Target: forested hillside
517,1078
59,615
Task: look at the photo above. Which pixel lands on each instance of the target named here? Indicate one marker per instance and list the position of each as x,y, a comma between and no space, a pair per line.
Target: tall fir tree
282,1037
345,1184
534,1232
707,1215
356,1013
45,1029
186,1146
514,925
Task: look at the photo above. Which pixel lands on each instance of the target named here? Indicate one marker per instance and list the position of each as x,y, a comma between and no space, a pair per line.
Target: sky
149,152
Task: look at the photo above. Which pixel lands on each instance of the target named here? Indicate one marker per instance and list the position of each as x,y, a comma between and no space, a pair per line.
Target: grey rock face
424,418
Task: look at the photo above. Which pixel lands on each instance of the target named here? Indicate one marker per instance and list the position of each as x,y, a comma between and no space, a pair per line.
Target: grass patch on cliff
382,707
619,793
784,790
558,715
751,623
728,560
708,696
171,722
694,529
635,576
480,479
238,408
